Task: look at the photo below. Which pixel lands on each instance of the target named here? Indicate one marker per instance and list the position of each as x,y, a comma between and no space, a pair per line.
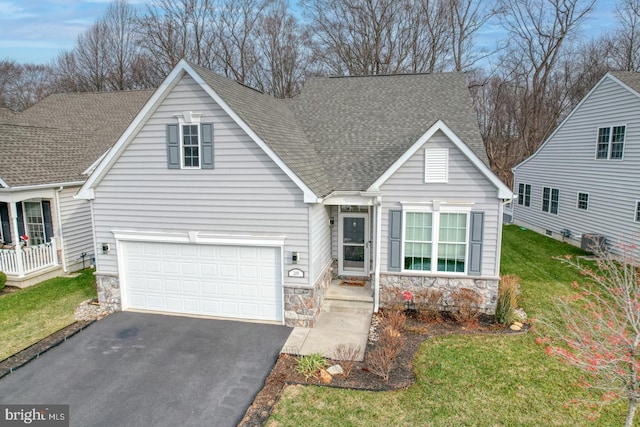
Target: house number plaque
296,272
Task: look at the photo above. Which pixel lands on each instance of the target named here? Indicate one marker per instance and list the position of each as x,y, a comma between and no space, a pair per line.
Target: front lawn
467,380
30,314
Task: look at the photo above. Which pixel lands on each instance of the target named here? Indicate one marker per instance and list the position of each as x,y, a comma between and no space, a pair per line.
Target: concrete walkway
345,319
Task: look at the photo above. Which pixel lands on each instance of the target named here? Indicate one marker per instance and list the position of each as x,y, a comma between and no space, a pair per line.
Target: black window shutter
395,240
5,222
475,245
20,219
173,147
48,223
207,145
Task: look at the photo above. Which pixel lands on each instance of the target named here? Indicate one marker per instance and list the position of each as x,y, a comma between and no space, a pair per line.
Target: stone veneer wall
393,284
109,291
302,305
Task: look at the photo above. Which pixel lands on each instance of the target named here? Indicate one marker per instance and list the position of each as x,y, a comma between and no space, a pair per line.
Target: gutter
41,186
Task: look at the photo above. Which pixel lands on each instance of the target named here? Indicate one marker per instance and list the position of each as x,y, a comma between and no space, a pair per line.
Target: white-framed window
435,241
550,200
190,147
436,165
610,143
524,194
637,211
34,222
583,201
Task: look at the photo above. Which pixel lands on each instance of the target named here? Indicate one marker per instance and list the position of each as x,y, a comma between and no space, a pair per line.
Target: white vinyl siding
436,165
77,235
465,185
247,193
567,162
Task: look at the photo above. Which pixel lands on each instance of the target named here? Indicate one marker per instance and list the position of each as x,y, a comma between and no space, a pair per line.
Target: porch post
15,237
54,250
378,249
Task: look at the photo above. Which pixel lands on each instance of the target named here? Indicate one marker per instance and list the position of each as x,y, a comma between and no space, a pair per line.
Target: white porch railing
21,261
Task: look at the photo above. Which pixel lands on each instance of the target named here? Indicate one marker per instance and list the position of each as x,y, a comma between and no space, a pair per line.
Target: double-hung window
638,211
190,146
610,143
524,194
34,222
550,200
583,201
436,241
190,143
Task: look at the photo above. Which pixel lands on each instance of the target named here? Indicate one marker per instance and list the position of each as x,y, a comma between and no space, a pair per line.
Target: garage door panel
223,281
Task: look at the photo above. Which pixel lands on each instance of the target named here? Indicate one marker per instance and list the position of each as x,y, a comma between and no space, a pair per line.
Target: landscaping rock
520,315
335,370
516,326
325,376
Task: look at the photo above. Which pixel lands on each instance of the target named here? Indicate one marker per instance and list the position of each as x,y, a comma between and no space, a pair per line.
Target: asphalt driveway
134,369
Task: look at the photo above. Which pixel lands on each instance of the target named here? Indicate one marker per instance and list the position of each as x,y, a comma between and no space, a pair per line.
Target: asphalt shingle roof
343,133
82,126
361,125
275,123
53,155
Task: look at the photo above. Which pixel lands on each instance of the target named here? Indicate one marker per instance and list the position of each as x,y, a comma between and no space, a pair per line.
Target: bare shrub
347,355
507,299
390,344
466,306
427,302
393,319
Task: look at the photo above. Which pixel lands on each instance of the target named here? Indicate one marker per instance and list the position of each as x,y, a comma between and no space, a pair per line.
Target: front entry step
342,306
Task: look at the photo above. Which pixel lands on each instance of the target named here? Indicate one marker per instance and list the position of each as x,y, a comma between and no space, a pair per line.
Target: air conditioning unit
592,242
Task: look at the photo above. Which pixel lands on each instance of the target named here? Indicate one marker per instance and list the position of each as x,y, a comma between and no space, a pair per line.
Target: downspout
60,232
95,237
378,250
499,248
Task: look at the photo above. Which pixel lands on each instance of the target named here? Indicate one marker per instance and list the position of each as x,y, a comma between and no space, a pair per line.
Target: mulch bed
401,376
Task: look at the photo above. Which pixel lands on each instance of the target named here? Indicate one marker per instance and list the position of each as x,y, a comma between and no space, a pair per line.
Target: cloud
12,11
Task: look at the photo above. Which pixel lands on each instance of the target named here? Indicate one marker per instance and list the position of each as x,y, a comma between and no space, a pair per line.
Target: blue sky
37,30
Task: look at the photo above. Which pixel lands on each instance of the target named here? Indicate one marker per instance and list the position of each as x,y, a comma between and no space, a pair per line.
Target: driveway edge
34,351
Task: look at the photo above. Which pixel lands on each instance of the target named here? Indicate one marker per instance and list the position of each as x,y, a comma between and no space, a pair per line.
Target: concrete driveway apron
138,369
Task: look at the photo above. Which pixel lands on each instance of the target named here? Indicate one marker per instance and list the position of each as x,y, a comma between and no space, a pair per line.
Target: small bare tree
601,331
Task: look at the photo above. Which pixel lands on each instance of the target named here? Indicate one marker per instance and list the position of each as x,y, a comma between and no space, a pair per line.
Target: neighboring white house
219,200
582,186
44,231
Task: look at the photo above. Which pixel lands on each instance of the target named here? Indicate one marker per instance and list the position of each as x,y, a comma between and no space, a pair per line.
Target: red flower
25,237
407,295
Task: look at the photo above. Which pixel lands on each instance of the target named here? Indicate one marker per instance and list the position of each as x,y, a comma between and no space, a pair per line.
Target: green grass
464,380
30,314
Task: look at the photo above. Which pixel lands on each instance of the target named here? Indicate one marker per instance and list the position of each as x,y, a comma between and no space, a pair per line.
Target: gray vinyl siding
77,235
568,162
245,194
465,184
320,240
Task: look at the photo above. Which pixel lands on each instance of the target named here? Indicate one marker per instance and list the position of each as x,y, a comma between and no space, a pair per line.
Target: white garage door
227,281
